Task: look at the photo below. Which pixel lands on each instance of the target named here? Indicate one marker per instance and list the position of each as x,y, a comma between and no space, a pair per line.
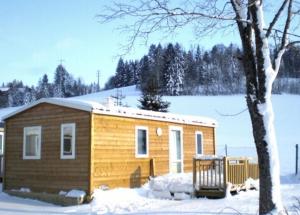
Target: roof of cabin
99,108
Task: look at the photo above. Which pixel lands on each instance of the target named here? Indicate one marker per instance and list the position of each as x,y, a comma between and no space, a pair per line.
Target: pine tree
120,74
144,72
44,89
175,73
16,93
191,77
151,99
62,82
169,55
29,95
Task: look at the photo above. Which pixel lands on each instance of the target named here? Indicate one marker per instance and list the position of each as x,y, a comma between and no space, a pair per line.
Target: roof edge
158,116
119,111
54,101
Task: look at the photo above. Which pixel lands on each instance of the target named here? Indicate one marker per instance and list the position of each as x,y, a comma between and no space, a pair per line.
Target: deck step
215,193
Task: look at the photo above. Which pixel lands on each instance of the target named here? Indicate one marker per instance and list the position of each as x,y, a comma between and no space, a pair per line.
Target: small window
1,143
141,141
199,143
32,142
67,145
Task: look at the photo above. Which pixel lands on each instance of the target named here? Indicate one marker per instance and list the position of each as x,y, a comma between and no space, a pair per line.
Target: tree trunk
259,79
264,135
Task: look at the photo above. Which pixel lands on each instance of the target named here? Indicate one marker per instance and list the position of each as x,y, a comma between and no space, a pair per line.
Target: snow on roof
7,111
98,108
4,89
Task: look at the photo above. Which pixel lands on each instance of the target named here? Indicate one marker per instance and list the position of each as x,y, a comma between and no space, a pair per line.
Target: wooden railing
208,174
239,170
212,174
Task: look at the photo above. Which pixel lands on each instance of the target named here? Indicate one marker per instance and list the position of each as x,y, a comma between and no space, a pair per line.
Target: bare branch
147,17
276,30
284,40
276,17
292,44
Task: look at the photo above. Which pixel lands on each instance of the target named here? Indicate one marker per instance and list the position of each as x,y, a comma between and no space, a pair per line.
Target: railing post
297,151
246,169
152,167
194,173
225,180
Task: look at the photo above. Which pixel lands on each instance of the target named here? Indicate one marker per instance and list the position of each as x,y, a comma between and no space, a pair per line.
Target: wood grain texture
115,164
50,173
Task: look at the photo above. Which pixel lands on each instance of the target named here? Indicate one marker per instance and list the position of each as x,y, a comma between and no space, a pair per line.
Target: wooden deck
212,175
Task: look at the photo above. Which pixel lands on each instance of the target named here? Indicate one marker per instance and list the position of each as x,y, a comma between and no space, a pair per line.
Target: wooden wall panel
50,173
115,164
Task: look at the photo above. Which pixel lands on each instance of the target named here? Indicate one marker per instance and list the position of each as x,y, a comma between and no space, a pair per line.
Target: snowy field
141,201
235,131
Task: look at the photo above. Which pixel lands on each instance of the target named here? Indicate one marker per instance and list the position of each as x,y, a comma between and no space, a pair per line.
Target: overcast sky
36,34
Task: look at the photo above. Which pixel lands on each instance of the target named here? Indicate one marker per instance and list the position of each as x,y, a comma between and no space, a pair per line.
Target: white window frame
137,155
25,131
202,141
2,149
73,141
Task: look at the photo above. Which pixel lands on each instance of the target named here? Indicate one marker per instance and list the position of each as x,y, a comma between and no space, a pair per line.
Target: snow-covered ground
235,131
141,201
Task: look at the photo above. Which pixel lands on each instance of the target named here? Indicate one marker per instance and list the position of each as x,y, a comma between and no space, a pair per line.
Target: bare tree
247,17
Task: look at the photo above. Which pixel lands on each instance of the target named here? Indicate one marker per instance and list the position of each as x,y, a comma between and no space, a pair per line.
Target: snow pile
123,200
171,186
25,190
22,189
251,183
62,193
76,194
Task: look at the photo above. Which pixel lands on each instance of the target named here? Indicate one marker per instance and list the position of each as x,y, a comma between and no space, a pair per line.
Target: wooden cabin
63,144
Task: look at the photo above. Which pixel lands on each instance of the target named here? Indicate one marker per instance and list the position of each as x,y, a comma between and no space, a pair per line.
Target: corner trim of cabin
91,155
215,140
4,160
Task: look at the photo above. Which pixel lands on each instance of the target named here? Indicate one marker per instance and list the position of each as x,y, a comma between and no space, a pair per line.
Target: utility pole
98,78
119,97
297,151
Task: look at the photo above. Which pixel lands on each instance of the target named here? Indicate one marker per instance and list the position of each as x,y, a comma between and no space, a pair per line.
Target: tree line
15,93
218,71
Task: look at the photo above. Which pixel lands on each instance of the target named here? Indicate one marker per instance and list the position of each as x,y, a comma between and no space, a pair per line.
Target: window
1,143
141,141
199,143
32,142
67,144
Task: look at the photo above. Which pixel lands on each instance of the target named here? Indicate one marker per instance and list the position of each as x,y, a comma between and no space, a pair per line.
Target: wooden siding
113,150
50,173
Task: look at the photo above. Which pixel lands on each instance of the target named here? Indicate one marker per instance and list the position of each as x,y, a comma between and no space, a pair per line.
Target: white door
176,150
